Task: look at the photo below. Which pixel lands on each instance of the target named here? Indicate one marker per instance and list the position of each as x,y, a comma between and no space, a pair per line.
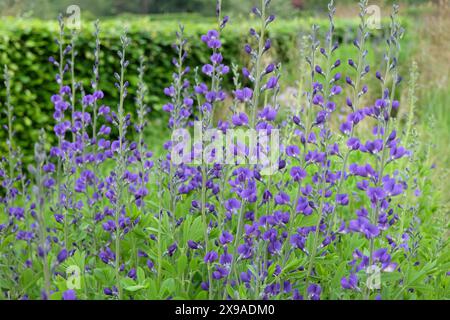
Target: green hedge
26,45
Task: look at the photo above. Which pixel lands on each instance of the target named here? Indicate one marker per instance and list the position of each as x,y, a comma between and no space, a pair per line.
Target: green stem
42,230
312,257
261,43
356,101
121,168
205,229
159,243
236,242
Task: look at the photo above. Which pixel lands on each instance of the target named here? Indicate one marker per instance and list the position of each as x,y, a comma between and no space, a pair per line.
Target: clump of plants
99,216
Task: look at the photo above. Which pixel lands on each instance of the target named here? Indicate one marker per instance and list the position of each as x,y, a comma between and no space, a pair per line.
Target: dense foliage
347,212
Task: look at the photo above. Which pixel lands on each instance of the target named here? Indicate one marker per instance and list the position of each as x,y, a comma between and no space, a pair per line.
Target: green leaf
182,263
168,286
140,275
135,288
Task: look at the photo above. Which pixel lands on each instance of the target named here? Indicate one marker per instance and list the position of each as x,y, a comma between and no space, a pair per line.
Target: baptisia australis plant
96,221
380,187
14,198
85,156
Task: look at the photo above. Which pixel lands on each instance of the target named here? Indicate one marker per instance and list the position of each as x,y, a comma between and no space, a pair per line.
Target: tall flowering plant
315,215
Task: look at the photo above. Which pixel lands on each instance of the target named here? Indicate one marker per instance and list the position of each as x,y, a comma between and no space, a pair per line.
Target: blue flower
69,295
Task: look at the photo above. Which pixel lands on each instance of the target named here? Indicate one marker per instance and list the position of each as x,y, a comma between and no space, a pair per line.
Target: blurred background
28,29
47,9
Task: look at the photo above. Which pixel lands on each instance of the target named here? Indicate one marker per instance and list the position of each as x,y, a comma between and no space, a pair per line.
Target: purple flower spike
350,283
210,257
226,237
298,173
335,90
193,245
240,119
172,248
363,225
318,70
69,295
62,256
268,113
272,83
282,198
244,95
353,143
314,291
292,151
212,39
395,104
342,199
204,286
